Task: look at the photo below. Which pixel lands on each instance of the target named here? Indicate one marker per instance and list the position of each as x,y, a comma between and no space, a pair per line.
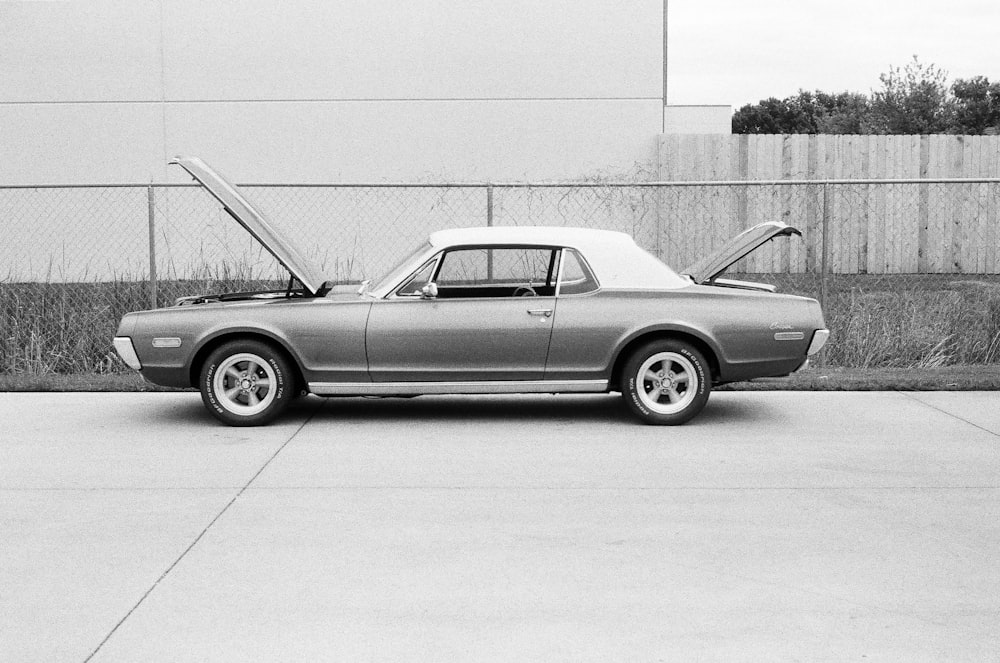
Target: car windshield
398,271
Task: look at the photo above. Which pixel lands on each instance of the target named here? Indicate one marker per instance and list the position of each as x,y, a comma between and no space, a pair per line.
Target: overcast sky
741,51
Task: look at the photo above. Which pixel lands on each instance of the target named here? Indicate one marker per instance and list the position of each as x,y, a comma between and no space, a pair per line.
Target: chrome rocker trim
478,387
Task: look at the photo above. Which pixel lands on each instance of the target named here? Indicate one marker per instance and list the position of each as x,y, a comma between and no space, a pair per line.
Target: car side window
576,278
467,267
497,272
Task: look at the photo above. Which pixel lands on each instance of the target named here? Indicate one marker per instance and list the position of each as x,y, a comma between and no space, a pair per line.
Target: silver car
494,310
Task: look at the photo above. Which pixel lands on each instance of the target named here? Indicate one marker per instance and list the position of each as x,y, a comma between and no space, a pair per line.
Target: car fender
269,331
635,337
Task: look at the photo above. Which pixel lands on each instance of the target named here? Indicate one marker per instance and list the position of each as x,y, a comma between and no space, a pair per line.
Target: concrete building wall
679,119
109,90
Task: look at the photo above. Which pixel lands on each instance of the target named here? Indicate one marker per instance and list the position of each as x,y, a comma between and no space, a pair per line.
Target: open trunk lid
709,267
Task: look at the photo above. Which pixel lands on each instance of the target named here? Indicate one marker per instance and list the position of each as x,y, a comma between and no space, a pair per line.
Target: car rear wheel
246,383
666,382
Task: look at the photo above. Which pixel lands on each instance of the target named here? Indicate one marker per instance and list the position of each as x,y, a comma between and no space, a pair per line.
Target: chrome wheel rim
245,384
666,382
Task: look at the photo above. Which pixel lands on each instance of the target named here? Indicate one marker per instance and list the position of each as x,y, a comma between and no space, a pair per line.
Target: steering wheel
525,291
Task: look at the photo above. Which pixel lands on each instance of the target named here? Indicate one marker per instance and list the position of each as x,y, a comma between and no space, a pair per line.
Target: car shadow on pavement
583,408
736,410
464,408
556,409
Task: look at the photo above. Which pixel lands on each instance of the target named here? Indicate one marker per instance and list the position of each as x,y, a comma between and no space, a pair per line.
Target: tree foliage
977,106
913,99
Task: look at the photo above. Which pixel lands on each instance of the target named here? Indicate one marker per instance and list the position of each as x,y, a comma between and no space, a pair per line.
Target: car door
491,318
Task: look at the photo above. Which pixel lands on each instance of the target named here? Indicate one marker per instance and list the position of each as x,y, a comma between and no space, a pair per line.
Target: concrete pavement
776,526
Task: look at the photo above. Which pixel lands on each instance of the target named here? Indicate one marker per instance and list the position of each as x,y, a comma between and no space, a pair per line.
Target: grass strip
942,378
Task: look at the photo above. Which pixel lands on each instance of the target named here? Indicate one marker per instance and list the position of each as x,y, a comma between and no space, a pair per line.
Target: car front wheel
246,383
666,382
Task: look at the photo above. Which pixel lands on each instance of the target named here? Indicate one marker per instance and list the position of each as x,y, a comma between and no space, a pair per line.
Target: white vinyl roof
549,235
617,261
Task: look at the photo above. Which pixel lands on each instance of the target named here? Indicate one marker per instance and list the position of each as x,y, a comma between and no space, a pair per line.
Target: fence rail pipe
518,185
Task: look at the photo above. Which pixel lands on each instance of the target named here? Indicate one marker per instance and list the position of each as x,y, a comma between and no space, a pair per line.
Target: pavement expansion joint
910,395
198,538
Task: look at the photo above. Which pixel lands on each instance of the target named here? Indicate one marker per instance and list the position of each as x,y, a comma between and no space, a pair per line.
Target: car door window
576,277
496,272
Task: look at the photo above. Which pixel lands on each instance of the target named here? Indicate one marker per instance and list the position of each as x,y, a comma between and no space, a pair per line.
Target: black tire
666,382
246,383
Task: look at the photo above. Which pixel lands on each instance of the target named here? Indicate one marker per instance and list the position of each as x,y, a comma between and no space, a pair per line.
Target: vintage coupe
493,310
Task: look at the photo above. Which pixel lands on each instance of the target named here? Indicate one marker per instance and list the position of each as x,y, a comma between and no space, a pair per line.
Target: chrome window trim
442,300
394,291
494,247
437,257
457,387
559,272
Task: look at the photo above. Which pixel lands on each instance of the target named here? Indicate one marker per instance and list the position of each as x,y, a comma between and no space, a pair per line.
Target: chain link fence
908,271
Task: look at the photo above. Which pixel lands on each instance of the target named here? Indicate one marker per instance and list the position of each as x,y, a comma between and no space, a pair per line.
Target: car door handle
547,312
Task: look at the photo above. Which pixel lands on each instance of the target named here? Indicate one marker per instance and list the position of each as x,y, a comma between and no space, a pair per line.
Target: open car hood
738,247
258,225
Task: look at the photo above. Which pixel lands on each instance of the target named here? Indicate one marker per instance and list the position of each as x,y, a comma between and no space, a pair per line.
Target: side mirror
429,291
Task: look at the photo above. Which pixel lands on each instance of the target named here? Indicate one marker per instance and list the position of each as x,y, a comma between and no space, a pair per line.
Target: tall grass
959,324
876,322
64,328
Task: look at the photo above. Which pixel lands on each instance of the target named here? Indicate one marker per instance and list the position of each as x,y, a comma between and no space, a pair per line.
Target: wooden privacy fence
886,204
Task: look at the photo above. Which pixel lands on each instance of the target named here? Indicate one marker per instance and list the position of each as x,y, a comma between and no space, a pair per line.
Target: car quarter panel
738,327
324,336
